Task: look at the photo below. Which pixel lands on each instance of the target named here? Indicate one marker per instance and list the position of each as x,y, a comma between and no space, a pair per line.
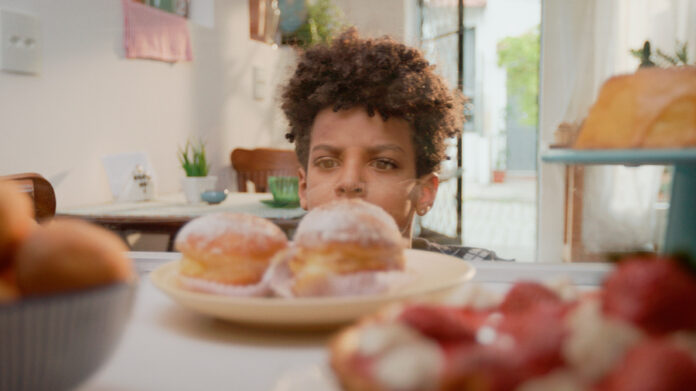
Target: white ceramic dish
434,275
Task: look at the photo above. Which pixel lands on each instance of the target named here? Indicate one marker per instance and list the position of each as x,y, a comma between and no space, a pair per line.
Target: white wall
382,17
90,101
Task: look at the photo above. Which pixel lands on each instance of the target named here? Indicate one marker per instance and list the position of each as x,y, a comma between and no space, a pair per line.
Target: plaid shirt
465,253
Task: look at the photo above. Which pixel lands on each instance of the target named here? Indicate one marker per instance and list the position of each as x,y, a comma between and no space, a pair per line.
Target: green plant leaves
193,159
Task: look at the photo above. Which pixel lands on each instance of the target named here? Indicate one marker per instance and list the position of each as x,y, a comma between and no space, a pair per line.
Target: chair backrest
41,192
256,165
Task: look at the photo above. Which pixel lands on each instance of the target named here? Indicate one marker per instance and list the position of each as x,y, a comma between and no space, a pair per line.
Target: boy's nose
351,182
351,189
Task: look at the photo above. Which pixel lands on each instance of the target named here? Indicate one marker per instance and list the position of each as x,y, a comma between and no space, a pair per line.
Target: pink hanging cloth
155,34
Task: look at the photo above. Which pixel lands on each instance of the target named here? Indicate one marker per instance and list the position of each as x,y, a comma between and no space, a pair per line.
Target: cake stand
680,236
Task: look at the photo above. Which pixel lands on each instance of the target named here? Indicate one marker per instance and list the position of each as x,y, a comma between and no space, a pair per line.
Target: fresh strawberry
653,365
657,294
521,346
482,368
524,295
538,333
444,323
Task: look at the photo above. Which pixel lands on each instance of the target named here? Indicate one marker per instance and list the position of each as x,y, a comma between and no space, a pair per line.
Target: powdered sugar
596,342
347,221
209,227
282,281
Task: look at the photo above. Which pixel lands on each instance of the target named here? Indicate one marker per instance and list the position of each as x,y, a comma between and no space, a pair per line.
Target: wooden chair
256,165
41,192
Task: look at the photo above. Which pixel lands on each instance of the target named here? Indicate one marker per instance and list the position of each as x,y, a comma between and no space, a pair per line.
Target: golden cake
652,108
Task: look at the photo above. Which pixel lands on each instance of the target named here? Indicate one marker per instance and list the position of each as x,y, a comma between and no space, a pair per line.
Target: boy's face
353,155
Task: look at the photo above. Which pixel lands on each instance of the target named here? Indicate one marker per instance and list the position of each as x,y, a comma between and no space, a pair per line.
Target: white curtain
619,202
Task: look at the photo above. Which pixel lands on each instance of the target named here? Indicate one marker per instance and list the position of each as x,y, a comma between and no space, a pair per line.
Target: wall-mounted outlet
259,82
20,43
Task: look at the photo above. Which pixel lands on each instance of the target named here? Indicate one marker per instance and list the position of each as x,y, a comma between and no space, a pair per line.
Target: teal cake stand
681,225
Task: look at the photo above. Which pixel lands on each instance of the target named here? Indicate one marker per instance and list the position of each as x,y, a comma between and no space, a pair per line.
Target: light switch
259,82
20,43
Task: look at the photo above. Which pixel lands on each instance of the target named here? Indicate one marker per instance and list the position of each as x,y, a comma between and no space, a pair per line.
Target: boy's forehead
355,124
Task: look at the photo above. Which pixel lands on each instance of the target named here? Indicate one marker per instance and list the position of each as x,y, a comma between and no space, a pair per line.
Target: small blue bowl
213,197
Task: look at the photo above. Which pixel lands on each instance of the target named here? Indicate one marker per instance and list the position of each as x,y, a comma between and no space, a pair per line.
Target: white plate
434,275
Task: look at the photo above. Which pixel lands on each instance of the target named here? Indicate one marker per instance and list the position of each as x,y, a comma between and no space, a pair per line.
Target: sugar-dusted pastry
341,248
652,108
228,253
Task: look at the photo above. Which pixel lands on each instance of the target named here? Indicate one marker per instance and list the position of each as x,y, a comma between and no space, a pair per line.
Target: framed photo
264,16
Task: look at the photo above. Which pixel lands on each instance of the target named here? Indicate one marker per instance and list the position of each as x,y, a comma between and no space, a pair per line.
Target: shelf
628,157
681,224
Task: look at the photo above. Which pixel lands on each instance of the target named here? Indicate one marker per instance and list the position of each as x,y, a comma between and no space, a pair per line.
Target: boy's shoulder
465,253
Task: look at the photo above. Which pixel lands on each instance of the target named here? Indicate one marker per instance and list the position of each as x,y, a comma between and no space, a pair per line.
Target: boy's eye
384,164
326,163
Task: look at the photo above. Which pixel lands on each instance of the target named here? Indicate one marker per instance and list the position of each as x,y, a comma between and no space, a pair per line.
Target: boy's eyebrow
373,149
386,147
325,147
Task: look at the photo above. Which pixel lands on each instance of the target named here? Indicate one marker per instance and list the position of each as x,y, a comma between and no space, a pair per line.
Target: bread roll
16,220
228,248
66,255
9,291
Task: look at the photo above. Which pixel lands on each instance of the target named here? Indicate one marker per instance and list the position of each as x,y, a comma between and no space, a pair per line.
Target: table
167,214
167,347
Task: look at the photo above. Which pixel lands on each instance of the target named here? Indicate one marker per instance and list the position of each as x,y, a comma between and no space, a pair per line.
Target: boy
369,119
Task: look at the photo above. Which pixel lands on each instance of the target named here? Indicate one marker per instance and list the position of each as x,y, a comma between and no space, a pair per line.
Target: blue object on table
681,224
213,197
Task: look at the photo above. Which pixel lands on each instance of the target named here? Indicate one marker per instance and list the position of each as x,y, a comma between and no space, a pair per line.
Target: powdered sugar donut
342,248
228,253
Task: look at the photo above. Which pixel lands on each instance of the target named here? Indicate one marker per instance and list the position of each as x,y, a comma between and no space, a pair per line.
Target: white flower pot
193,186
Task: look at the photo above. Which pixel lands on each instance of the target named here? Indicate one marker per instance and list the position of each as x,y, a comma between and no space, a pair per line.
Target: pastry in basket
637,333
345,247
652,108
9,291
228,253
67,255
16,220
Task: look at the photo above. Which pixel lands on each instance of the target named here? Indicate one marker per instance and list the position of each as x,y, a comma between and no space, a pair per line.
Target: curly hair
384,77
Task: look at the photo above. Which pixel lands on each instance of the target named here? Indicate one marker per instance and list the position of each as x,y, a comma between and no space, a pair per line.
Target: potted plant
498,175
645,55
308,23
193,161
499,168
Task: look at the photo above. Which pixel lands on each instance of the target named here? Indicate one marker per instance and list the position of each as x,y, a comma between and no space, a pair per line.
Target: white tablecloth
174,205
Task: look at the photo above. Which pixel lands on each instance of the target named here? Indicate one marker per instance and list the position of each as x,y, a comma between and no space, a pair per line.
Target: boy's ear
428,190
302,187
